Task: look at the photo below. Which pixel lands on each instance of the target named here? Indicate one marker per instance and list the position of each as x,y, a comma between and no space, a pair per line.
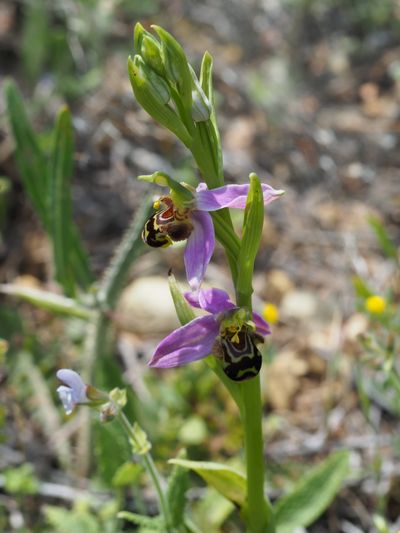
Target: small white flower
73,392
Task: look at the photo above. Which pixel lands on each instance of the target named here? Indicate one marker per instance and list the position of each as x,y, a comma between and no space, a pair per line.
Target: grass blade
59,201
30,159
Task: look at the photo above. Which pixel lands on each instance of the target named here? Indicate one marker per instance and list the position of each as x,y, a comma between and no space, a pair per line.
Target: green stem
151,469
260,514
260,519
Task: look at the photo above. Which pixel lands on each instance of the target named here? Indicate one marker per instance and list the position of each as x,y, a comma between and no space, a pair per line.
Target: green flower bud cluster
165,84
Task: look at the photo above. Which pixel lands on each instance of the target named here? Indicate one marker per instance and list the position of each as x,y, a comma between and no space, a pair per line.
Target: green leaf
5,187
385,242
65,521
47,300
35,30
40,179
111,449
225,479
21,480
252,230
139,441
193,431
127,474
176,492
59,200
312,494
152,523
30,159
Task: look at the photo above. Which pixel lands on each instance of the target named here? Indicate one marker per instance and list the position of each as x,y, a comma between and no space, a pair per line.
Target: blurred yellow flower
375,304
271,313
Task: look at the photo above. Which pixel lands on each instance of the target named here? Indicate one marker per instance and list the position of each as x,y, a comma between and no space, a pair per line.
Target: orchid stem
259,510
151,469
260,514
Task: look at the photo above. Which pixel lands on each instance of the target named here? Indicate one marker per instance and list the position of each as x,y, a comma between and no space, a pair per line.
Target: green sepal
180,193
153,101
252,230
176,65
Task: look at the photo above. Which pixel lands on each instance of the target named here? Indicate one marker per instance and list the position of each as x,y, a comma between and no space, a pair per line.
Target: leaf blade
225,479
59,200
308,500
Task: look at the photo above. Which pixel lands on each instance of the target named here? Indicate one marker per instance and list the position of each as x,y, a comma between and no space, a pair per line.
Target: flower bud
154,82
152,94
201,107
108,412
176,65
151,53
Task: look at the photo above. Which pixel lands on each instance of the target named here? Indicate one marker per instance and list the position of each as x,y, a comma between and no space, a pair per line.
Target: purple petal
73,391
199,248
73,381
230,196
211,300
261,325
188,343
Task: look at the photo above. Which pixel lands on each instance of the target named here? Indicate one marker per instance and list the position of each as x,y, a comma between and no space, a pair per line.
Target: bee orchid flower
187,216
227,332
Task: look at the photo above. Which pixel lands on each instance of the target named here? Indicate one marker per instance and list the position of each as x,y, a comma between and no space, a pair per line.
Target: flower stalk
149,465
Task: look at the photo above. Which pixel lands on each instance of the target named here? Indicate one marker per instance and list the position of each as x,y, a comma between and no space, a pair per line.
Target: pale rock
299,305
355,326
146,307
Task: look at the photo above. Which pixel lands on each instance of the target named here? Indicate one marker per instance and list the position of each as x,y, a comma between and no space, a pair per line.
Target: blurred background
308,97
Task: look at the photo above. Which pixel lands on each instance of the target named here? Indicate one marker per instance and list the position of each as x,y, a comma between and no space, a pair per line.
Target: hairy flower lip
196,340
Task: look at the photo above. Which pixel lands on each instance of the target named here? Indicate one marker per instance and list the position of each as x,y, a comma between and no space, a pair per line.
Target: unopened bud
152,94
151,53
201,110
176,65
201,107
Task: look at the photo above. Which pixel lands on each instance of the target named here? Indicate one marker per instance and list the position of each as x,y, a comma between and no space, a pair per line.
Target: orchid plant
167,87
228,333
